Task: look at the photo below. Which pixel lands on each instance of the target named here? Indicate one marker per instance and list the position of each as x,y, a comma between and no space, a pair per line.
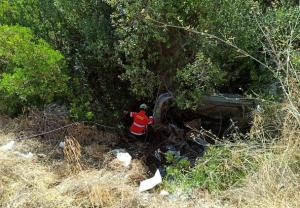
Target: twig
101,125
66,126
227,42
48,132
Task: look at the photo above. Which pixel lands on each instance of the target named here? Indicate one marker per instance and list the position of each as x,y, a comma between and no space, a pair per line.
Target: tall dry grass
277,181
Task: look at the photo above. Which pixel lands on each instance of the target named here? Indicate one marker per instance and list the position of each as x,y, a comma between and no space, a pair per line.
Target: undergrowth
221,168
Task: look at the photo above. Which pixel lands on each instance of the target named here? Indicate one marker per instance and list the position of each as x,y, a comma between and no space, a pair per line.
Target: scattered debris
116,151
29,155
8,146
62,144
125,158
41,155
164,193
151,182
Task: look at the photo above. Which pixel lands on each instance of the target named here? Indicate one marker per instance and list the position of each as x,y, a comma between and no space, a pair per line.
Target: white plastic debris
116,151
164,193
259,109
62,145
8,146
29,155
151,182
125,158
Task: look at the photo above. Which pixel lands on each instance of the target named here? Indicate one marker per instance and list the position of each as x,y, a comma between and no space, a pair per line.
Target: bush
220,169
31,71
196,79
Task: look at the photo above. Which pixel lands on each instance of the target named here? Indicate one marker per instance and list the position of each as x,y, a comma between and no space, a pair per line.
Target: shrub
196,79
31,71
220,169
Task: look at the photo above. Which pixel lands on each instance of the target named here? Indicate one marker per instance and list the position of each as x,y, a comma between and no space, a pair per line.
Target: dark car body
215,112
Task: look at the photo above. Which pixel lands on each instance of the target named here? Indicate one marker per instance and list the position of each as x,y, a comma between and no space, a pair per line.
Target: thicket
259,163
32,73
118,53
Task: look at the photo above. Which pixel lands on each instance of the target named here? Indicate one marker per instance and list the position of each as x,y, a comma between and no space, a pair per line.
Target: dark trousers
134,138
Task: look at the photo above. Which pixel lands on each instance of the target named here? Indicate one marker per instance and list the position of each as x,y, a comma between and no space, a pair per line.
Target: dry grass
26,183
72,153
277,181
45,182
100,188
33,183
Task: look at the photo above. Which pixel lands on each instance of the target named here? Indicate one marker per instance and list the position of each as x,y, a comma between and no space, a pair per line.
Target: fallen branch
48,132
63,127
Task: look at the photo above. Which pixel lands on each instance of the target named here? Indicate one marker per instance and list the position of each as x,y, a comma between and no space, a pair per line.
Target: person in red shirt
140,122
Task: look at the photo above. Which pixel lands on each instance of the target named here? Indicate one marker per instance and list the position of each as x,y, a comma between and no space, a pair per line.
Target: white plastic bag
125,158
151,182
61,145
116,151
8,146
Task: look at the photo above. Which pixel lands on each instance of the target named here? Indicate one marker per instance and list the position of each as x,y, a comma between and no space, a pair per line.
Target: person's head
143,106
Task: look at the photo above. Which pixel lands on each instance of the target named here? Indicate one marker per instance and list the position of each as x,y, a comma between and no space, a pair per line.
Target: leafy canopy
31,71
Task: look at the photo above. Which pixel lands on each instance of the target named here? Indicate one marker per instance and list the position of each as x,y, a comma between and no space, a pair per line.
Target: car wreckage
215,113
187,133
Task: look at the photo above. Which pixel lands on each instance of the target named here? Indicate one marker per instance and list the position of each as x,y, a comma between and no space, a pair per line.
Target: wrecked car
215,113
188,132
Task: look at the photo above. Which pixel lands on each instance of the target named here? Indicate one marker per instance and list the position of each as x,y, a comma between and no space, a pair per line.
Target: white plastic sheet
151,182
8,146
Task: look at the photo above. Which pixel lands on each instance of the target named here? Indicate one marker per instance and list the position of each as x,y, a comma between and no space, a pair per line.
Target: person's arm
151,120
132,114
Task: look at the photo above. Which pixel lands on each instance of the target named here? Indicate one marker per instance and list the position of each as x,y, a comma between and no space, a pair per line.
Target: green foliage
195,80
147,50
234,22
8,12
31,70
176,164
143,82
167,55
221,168
280,25
122,51
80,108
83,32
